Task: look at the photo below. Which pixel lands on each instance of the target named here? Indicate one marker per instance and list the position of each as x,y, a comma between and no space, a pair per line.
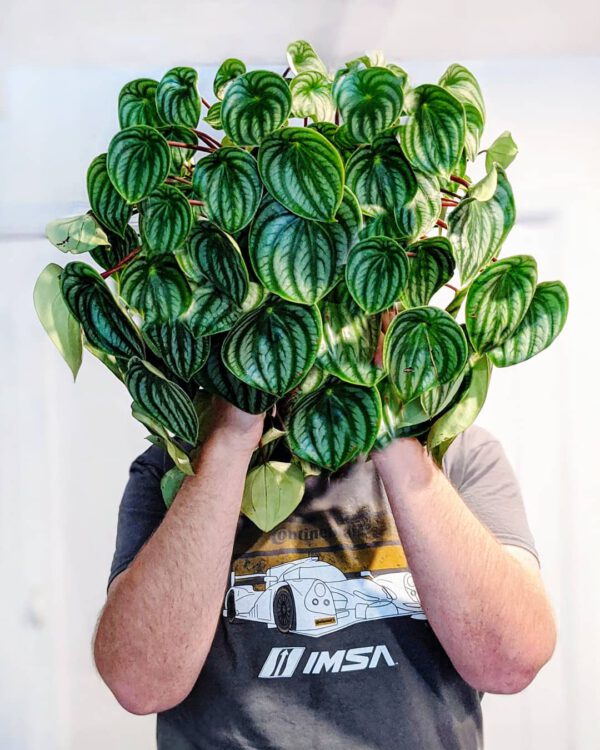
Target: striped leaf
77,234
211,311
228,182
273,347
348,224
335,424
463,85
211,255
255,104
155,287
213,116
217,378
137,104
293,257
543,321
107,256
380,176
159,435
303,171
228,71
434,136
380,223
477,229
419,215
162,399
369,100
177,98
498,299
376,273
272,491
91,302
398,419
423,347
474,123
107,204
312,97
430,268
174,343
437,399
302,57
138,161
165,219
350,338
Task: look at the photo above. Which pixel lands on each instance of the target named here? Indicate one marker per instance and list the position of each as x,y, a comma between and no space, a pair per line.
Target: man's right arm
161,613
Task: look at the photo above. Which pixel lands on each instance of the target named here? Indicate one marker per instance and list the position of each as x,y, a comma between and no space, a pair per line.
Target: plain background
66,449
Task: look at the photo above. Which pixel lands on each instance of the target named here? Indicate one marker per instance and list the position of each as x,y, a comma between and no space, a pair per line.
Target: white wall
66,448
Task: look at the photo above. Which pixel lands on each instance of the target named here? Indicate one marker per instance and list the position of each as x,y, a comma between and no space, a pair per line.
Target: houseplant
289,264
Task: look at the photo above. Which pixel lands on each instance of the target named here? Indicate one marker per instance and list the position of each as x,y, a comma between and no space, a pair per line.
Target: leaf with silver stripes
228,182
543,321
175,344
334,424
91,302
419,215
211,311
255,104
303,171
228,71
431,267
163,400
110,208
498,300
463,85
137,104
376,273
311,96
423,347
273,347
398,419
301,57
165,220
177,98
138,160
155,287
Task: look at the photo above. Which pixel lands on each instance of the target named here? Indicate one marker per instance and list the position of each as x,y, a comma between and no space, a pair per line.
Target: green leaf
434,136
398,419
91,302
165,219
348,224
255,104
419,214
160,436
273,347
333,425
486,187
211,311
376,273
437,399
369,100
463,84
62,328
303,171
380,176
311,96
302,57
498,299
477,229
177,98
228,71
543,321
213,116
76,234
138,161
474,130
107,204
137,104
174,343
271,493
170,484
156,288
423,347
228,182
293,257
162,399
502,151
431,267
107,256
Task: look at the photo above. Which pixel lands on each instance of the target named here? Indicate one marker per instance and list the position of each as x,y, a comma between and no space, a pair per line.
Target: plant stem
451,286
410,253
285,72
191,146
195,203
460,181
179,179
305,121
206,104
449,203
449,192
441,224
337,117
208,139
123,262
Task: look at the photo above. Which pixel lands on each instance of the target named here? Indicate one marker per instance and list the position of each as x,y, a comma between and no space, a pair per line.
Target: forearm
490,613
159,621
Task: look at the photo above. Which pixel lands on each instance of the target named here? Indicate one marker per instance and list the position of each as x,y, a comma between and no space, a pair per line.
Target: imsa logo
283,662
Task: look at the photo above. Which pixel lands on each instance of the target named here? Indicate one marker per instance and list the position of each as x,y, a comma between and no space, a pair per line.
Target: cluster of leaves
265,266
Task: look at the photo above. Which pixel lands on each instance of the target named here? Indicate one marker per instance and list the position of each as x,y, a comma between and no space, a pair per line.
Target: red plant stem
411,254
459,181
123,262
449,203
195,203
208,139
305,121
451,286
337,116
441,224
180,144
178,179
449,192
285,72
206,104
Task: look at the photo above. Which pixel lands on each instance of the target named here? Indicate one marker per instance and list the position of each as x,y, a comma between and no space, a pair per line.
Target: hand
241,430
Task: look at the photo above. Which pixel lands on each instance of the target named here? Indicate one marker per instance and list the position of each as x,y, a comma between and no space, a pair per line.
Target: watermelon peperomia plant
289,265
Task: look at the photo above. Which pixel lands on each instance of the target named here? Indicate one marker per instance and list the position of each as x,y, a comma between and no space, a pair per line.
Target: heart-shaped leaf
302,57
502,151
498,299
434,136
228,71
211,311
104,323
334,424
423,347
174,343
419,215
312,97
376,273
255,104
77,234
228,182
156,288
463,84
163,400
138,161
165,219
273,347
177,98
213,117
543,321
137,104
437,399
107,204
303,171
429,269
272,491
370,101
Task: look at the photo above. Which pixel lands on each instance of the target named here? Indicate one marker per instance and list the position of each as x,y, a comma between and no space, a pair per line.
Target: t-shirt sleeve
479,469
142,507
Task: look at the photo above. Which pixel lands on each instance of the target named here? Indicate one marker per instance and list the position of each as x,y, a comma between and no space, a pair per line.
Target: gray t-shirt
322,642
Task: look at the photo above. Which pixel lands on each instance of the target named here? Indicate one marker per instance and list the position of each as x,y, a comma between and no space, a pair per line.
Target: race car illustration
311,597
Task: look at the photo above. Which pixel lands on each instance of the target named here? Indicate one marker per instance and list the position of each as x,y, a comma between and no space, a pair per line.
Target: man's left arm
485,601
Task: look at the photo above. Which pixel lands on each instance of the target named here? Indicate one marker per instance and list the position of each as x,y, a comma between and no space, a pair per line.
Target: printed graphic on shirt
284,662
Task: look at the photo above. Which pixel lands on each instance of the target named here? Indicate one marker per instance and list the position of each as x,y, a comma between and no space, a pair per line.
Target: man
376,616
